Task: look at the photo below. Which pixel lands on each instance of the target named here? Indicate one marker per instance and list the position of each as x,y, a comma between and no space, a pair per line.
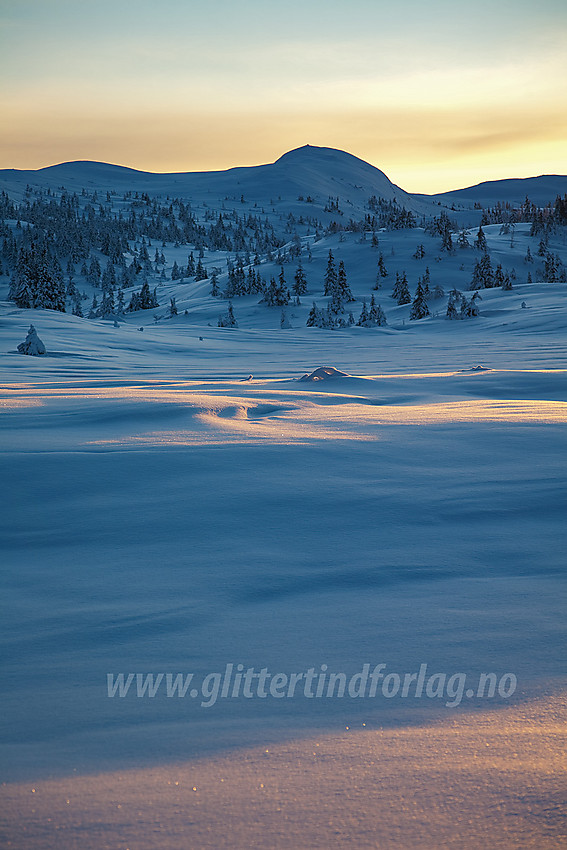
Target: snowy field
164,515
176,501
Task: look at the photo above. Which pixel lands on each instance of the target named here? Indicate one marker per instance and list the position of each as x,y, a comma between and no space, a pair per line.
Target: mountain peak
314,153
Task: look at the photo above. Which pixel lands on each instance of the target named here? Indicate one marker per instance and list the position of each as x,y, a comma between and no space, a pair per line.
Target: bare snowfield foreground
165,513
483,780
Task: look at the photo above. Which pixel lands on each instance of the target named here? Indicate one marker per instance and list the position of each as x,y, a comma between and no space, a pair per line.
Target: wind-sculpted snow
178,413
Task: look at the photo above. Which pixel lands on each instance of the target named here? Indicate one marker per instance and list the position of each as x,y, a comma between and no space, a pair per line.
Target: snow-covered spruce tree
172,306
200,271
454,304
284,321
469,309
175,273
480,241
145,299
382,270
299,286
313,317
77,308
330,275
94,272
419,308
397,287
215,291
277,294
107,305
463,240
363,318
498,275
403,293
447,240
38,280
120,306
108,280
376,315
32,344
419,253
483,275
228,320
343,288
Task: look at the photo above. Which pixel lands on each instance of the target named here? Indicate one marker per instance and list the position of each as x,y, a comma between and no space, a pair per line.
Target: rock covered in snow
32,344
325,373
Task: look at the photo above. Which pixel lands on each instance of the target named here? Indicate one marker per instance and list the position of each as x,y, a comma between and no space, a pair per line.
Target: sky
439,95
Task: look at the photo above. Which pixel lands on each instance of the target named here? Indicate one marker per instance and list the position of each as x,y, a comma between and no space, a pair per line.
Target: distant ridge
307,171
540,190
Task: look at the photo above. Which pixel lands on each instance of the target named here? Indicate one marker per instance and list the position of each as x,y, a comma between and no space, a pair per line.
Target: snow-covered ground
176,500
164,515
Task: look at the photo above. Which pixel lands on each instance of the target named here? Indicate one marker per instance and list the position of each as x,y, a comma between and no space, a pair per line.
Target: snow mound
32,344
325,373
477,369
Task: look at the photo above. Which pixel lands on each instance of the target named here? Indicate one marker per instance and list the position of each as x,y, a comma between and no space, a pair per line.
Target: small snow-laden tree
145,299
463,240
376,315
277,294
299,286
343,289
483,275
172,306
363,318
94,272
447,240
228,320
108,280
403,292
284,321
313,317
120,306
107,304
469,309
215,291
77,308
382,270
454,304
330,275
200,271
419,308
32,344
480,241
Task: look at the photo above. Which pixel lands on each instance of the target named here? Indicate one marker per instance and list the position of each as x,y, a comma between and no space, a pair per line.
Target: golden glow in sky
438,95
